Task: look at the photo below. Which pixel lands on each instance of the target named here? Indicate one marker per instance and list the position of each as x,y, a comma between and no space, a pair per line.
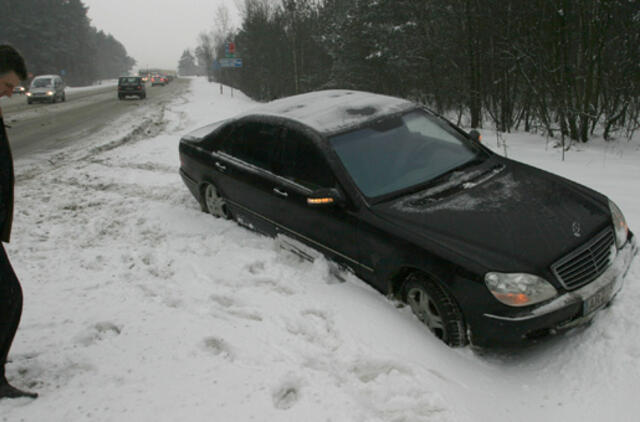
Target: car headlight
28,94
49,93
519,289
619,224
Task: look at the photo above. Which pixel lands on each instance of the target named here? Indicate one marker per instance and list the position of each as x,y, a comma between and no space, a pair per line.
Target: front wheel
214,203
435,307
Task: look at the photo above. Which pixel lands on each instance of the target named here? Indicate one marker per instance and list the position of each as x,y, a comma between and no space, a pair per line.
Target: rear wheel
213,202
435,307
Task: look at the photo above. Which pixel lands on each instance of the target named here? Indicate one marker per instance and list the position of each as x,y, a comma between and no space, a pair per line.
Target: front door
301,169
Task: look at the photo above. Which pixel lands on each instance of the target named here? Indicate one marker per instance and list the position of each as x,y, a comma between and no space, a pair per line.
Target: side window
300,160
220,140
253,143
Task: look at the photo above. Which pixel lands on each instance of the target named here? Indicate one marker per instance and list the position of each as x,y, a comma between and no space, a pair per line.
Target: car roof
333,111
46,76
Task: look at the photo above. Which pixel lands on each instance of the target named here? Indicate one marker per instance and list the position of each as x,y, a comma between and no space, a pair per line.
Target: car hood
502,215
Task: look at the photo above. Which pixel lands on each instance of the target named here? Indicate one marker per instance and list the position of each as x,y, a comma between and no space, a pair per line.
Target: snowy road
138,307
45,127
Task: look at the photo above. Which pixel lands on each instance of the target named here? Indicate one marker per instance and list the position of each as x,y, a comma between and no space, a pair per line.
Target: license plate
598,299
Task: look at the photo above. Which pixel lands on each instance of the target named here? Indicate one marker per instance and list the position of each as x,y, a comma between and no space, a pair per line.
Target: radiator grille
586,263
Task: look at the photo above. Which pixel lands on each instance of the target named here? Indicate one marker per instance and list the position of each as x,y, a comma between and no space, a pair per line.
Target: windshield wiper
455,183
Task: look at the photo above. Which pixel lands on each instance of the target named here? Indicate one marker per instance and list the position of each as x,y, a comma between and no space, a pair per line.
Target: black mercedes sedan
485,250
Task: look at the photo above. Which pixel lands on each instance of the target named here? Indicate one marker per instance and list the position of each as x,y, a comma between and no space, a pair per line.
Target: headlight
28,94
518,289
619,225
49,93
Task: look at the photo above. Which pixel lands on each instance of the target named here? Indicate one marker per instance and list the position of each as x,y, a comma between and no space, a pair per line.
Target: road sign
230,50
236,62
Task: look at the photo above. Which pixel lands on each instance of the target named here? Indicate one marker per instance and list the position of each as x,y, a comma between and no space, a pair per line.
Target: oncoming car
485,250
46,88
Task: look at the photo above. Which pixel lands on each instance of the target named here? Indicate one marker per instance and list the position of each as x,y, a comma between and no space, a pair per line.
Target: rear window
129,80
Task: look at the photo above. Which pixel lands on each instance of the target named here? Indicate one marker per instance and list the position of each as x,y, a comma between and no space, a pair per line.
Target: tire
431,303
120,97
213,203
64,97
29,102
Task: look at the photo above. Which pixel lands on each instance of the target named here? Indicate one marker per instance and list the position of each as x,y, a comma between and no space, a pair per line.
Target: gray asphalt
47,127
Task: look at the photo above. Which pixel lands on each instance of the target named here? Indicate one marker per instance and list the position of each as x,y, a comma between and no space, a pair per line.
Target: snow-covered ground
99,85
139,307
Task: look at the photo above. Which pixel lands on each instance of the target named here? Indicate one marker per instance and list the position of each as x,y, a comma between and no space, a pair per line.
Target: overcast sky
155,33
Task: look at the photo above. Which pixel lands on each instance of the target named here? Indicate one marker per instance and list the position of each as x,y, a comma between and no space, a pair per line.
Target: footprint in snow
218,347
286,395
231,307
316,327
255,267
368,372
98,332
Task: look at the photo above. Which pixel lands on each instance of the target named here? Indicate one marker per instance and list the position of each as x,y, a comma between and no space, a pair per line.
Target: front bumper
42,97
566,311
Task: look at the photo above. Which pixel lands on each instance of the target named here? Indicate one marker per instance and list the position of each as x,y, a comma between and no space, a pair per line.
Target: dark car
483,249
131,86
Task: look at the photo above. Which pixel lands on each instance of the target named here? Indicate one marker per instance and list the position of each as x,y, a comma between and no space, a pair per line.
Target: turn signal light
318,201
514,299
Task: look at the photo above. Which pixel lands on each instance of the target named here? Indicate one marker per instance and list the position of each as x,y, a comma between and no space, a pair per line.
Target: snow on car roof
331,111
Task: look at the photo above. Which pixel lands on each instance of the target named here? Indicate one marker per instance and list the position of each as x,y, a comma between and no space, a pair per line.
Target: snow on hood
510,216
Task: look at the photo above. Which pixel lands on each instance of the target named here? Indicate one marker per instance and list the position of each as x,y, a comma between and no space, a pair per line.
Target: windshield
41,83
403,152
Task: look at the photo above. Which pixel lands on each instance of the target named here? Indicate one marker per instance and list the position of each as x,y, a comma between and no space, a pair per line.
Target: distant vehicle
131,86
19,90
483,249
159,80
46,89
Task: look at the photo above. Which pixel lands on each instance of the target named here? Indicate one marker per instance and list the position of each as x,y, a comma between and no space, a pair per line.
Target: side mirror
475,135
325,197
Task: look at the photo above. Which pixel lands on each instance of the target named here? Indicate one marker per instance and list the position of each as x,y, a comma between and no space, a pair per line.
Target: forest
564,68
56,37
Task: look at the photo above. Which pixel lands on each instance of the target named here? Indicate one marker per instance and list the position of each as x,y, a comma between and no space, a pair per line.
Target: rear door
243,173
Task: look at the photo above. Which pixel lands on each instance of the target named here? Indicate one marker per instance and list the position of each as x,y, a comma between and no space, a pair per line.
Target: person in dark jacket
12,71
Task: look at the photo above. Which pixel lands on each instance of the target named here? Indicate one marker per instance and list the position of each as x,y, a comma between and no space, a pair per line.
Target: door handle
220,167
280,192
